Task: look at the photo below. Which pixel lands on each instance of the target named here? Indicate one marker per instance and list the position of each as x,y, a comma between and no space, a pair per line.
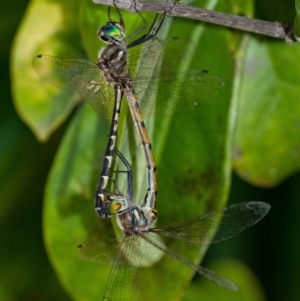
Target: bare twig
174,9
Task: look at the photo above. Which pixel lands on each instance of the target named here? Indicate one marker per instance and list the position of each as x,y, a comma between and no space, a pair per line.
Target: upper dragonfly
103,85
139,243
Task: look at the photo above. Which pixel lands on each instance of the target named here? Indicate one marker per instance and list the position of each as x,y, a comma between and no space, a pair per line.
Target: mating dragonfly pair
103,85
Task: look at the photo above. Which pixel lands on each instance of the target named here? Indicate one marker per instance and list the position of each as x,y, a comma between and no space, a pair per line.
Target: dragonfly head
115,204
112,33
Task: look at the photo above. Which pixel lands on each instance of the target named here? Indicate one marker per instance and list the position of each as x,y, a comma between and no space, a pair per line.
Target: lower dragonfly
140,240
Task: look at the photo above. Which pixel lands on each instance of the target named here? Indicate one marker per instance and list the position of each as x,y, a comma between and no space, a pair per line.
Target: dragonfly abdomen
150,197
100,198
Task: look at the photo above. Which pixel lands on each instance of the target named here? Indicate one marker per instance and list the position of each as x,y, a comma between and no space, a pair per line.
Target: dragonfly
139,241
103,85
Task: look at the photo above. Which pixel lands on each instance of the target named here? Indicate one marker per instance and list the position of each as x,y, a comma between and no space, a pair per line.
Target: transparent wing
81,76
124,282
218,225
127,256
160,88
101,252
198,269
176,93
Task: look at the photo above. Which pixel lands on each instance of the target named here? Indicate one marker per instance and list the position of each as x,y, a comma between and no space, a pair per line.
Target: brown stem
175,9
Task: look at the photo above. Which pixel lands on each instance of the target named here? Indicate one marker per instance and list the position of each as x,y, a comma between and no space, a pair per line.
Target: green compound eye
116,206
111,31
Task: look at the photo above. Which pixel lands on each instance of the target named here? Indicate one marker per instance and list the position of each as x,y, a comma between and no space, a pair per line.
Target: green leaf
49,27
267,142
249,287
194,166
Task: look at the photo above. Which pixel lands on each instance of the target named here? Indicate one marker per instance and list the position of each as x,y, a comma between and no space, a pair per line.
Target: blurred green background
271,249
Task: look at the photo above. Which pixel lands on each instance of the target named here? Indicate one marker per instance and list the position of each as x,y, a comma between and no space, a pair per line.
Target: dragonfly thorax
133,220
111,33
113,63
